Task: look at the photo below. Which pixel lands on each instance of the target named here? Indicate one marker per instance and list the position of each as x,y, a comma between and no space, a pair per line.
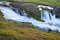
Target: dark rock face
31,9
57,11
28,7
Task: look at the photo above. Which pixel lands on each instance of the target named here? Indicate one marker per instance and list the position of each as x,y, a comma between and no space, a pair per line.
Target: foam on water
47,16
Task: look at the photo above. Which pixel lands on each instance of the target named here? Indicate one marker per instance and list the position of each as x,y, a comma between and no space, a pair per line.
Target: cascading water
47,16
23,13
10,14
14,9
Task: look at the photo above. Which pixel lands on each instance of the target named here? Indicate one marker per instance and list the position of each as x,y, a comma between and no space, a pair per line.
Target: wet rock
27,7
57,11
55,31
31,9
4,3
49,30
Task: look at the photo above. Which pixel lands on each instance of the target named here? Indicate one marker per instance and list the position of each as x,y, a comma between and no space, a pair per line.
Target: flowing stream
9,13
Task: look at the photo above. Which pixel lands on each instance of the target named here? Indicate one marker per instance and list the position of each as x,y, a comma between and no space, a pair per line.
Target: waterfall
47,16
14,9
10,14
23,13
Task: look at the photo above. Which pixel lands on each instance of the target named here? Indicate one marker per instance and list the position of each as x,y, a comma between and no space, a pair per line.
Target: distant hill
50,2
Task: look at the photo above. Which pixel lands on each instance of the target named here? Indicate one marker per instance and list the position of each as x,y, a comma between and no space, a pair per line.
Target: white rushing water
47,15
10,14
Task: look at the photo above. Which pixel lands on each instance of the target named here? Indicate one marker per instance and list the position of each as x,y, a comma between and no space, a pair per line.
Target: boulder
4,3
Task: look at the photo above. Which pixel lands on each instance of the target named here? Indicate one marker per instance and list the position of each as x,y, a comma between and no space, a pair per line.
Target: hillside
12,30
50,2
47,2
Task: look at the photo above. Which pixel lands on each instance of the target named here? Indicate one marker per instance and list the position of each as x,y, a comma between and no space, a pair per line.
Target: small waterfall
14,9
47,16
24,13
10,14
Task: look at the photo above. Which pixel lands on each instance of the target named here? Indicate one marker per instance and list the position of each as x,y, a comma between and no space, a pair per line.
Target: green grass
50,2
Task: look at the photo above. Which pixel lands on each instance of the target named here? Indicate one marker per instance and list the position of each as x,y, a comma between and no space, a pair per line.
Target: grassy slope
50,2
10,30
